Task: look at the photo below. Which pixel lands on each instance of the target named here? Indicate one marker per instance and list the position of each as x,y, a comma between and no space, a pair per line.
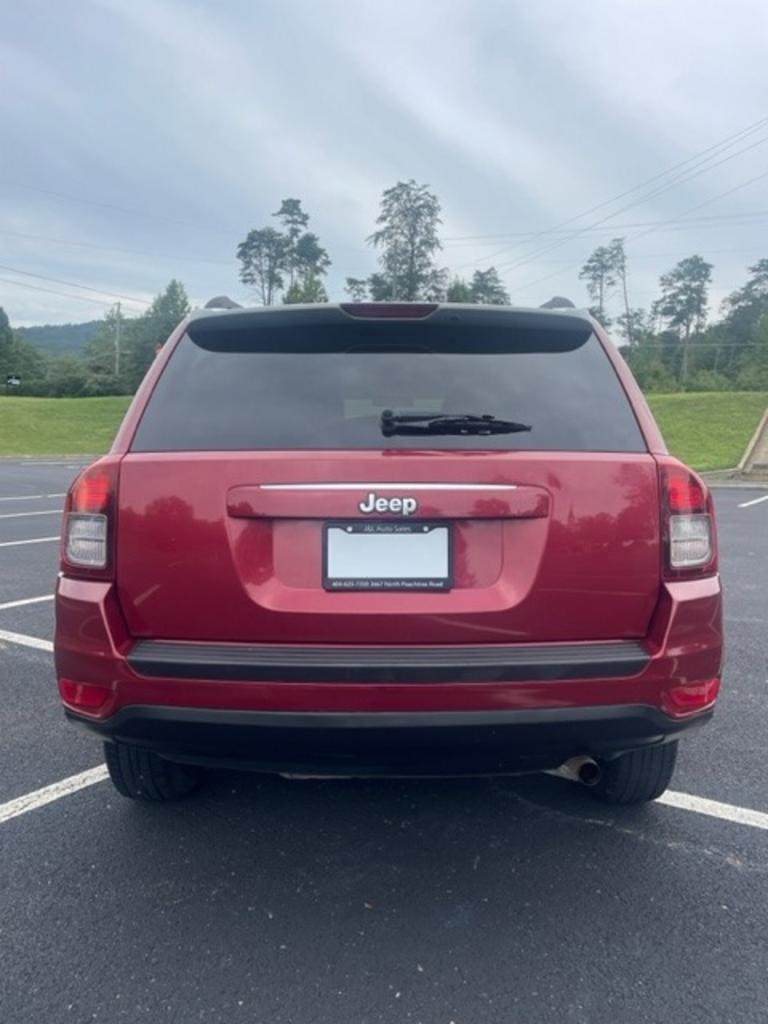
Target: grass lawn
59,426
709,430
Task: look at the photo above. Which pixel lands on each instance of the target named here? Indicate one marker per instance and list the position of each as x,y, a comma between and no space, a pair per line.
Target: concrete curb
748,458
732,478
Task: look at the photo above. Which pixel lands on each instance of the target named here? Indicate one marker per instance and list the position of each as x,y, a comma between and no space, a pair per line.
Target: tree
459,290
100,353
618,259
436,285
636,326
309,262
263,259
683,302
744,309
357,288
30,364
752,372
751,298
311,289
294,221
142,337
600,274
488,289
407,237
6,346
267,257
306,260
20,358
380,288
682,307
67,376
485,288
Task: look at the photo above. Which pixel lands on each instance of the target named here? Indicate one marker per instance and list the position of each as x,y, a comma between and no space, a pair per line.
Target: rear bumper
459,706
463,663
411,743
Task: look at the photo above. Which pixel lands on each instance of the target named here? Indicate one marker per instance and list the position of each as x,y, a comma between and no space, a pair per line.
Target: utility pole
117,339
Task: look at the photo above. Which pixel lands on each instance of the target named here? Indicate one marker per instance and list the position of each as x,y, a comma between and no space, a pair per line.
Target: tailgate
223,546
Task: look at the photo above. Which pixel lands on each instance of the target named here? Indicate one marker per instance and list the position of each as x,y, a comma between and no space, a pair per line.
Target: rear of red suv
389,539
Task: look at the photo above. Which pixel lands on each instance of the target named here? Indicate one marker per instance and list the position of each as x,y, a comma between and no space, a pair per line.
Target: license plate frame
371,582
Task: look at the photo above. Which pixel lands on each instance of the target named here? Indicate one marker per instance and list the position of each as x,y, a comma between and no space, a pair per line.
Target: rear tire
142,775
637,776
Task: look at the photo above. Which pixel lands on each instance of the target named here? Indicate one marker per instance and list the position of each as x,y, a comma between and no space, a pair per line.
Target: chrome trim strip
388,487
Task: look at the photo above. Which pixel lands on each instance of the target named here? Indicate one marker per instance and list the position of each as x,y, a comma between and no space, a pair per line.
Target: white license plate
387,556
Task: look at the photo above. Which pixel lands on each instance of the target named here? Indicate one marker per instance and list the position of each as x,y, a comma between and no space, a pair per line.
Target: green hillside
709,430
60,338
59,426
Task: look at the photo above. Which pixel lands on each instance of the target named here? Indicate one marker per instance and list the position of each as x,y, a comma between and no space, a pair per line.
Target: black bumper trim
381,743
461,663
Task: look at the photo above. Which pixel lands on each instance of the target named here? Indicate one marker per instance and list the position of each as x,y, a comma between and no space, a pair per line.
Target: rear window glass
251,385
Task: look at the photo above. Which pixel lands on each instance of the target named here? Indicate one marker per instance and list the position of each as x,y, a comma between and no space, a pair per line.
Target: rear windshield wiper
446,423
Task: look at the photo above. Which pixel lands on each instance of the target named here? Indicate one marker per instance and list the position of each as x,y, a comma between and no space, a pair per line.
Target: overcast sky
169,128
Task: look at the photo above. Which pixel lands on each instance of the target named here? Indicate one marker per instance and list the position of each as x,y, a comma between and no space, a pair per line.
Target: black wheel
638,776
141,775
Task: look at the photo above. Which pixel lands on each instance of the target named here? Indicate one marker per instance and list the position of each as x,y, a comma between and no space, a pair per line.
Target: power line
695,160
530,257
73,284
713,199
683,222
701,157
51,291
130,211
724,144
667,255
113,248
721,195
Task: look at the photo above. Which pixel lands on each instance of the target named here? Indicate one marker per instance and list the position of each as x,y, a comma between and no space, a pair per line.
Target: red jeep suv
406,539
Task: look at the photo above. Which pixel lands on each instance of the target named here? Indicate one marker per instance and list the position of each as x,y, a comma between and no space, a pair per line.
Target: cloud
200,117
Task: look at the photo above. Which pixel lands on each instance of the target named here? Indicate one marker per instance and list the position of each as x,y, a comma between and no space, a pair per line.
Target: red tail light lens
87,538
92,490
685,493
83,696
390,310
690,698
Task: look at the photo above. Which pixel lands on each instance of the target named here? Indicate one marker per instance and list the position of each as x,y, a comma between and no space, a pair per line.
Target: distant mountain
60,338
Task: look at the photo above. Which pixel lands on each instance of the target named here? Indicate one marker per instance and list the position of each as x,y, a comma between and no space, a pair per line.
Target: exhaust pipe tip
589,773
579,769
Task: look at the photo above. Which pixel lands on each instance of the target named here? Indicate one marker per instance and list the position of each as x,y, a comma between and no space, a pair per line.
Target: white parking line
22,515
681,801
25,600
33,497
715,809
6,636
34,540
46,795
754,501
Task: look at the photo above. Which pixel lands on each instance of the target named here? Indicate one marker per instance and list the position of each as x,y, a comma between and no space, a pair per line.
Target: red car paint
201,552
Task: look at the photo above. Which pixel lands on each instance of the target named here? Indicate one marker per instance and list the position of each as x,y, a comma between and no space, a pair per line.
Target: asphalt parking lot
267,900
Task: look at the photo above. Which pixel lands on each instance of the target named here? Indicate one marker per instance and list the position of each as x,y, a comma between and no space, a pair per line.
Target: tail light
84,696
689,523
87,540
690,698
389,310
